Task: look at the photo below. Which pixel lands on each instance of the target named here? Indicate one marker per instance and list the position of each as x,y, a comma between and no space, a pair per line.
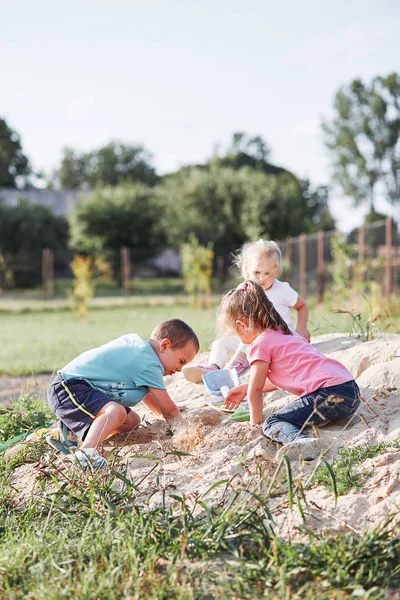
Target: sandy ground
239,455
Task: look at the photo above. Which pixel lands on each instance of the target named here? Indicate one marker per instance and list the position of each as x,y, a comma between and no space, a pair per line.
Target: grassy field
95,537
43,341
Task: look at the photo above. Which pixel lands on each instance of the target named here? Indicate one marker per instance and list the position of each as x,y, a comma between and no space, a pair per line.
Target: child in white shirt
260,261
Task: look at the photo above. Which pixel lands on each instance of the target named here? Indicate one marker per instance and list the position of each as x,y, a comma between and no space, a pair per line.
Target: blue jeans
326,404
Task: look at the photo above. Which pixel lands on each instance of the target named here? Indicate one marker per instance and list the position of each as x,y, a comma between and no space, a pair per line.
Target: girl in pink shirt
280,358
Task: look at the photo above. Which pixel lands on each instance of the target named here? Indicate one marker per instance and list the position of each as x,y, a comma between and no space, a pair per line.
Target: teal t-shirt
123,369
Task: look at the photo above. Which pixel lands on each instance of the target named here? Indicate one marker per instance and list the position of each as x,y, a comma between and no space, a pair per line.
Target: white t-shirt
283,297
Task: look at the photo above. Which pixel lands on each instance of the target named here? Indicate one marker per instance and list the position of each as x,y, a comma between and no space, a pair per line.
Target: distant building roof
61,202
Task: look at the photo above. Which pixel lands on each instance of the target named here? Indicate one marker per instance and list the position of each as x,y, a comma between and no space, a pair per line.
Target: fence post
289,255
220,271
48,272
303,264
125,269
389,254
321,266
361,253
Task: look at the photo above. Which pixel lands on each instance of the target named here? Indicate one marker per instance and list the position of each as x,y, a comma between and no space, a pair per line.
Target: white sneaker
195,374
307,448
89,458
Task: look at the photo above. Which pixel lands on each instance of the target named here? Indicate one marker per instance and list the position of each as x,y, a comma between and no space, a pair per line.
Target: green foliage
197,262
344,467
14,165
41,339
111,165
112,218
340,267
363,138
83,288
101,538
25,414
24,231
228,206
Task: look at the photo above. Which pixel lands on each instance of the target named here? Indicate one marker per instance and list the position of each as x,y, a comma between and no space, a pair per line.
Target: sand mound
209,449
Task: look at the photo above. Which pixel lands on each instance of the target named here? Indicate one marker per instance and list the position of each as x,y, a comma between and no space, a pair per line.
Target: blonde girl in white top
260,261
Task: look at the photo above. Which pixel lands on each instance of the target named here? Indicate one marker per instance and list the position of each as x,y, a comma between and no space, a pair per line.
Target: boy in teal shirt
92,394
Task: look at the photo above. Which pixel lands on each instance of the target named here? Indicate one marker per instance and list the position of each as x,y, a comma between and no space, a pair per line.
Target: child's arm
237,394
302,318
161,404
258,376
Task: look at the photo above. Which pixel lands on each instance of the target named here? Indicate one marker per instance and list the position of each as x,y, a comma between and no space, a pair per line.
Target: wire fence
374,255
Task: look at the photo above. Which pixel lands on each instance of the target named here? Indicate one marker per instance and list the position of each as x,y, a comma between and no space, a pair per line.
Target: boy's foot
54,442
89,458
66,436
307,448
63,439
194,374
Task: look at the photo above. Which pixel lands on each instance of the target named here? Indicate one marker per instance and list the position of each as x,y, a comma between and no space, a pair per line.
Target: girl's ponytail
250,302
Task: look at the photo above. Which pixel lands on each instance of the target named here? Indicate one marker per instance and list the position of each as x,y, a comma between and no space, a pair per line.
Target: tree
277,206
14,165
72,173
203,203
111,165
246,151
364,139
111,218
228,207
24,231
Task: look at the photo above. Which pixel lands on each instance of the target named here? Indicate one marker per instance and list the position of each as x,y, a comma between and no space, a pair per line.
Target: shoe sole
293,450
194,374
57,445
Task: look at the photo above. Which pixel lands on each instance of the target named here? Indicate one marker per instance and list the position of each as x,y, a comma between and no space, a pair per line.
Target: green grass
346,476
25,414
96,537
44,341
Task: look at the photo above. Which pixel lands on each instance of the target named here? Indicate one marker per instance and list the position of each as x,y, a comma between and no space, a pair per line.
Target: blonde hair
249,301
177,332
261,248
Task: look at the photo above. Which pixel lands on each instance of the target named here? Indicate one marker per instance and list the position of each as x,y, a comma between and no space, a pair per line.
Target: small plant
364,325
26,414
197,264
86,270
83,290
340,268
341,475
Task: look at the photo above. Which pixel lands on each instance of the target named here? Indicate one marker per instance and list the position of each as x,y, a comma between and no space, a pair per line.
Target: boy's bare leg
132,419
110,419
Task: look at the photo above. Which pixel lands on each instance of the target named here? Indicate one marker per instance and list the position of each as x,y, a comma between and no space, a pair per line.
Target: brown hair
177,332
249,301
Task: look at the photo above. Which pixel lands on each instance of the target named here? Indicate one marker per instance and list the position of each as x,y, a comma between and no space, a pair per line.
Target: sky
180,76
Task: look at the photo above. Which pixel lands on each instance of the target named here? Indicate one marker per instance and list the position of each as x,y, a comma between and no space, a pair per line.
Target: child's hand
303,331
235,397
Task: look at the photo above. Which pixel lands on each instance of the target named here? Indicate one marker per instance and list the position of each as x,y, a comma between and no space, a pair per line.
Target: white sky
180,76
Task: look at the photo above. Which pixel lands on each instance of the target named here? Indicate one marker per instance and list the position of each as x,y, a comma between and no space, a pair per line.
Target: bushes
24,231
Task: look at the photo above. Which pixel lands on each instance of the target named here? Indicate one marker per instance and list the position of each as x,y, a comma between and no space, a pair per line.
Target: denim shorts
76,403
325,404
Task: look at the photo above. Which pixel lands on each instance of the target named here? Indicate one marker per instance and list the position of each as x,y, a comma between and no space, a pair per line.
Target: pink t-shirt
295,365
